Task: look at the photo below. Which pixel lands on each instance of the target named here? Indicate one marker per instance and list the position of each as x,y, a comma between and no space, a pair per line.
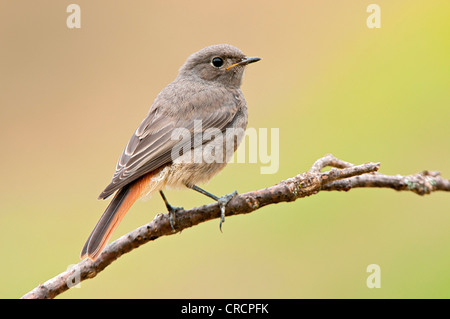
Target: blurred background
71,98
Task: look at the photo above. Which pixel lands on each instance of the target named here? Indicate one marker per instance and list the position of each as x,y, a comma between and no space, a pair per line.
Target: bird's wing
151,145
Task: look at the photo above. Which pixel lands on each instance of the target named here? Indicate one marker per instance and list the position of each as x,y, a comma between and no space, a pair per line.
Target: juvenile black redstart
204,99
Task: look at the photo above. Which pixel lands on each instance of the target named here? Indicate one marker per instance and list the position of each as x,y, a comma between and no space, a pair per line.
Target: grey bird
189,134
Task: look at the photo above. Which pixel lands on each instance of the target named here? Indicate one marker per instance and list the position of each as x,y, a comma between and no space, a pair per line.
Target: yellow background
71,98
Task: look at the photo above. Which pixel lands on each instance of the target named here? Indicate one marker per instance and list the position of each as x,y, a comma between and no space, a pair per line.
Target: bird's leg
171,209
223,201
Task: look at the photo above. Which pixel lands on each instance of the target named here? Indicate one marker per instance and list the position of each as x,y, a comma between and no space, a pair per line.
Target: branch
342,176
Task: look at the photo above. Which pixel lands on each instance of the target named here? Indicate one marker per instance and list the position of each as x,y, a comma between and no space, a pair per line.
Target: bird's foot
223,201
173,210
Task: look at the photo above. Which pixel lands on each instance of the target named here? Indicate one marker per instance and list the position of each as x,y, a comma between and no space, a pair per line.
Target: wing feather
151,145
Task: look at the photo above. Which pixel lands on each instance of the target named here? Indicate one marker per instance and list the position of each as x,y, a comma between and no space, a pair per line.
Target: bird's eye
217,62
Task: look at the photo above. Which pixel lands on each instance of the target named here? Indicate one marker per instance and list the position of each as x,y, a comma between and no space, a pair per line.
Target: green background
70,100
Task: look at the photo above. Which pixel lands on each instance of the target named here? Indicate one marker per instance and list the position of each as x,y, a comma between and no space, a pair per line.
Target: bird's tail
116,210
110,219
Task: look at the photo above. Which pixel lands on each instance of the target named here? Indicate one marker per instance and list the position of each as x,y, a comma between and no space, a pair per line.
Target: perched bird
204,98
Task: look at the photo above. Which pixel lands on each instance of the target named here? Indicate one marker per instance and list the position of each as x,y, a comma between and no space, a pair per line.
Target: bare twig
342,176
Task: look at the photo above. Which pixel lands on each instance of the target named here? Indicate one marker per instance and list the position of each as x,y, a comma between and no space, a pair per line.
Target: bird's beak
245,61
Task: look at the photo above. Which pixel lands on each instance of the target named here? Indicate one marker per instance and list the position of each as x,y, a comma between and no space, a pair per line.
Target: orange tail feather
112,216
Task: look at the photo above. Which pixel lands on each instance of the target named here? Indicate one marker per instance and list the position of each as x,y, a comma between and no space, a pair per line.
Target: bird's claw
223,201
172,214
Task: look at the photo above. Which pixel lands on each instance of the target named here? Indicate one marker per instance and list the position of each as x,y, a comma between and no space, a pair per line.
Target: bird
169,150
